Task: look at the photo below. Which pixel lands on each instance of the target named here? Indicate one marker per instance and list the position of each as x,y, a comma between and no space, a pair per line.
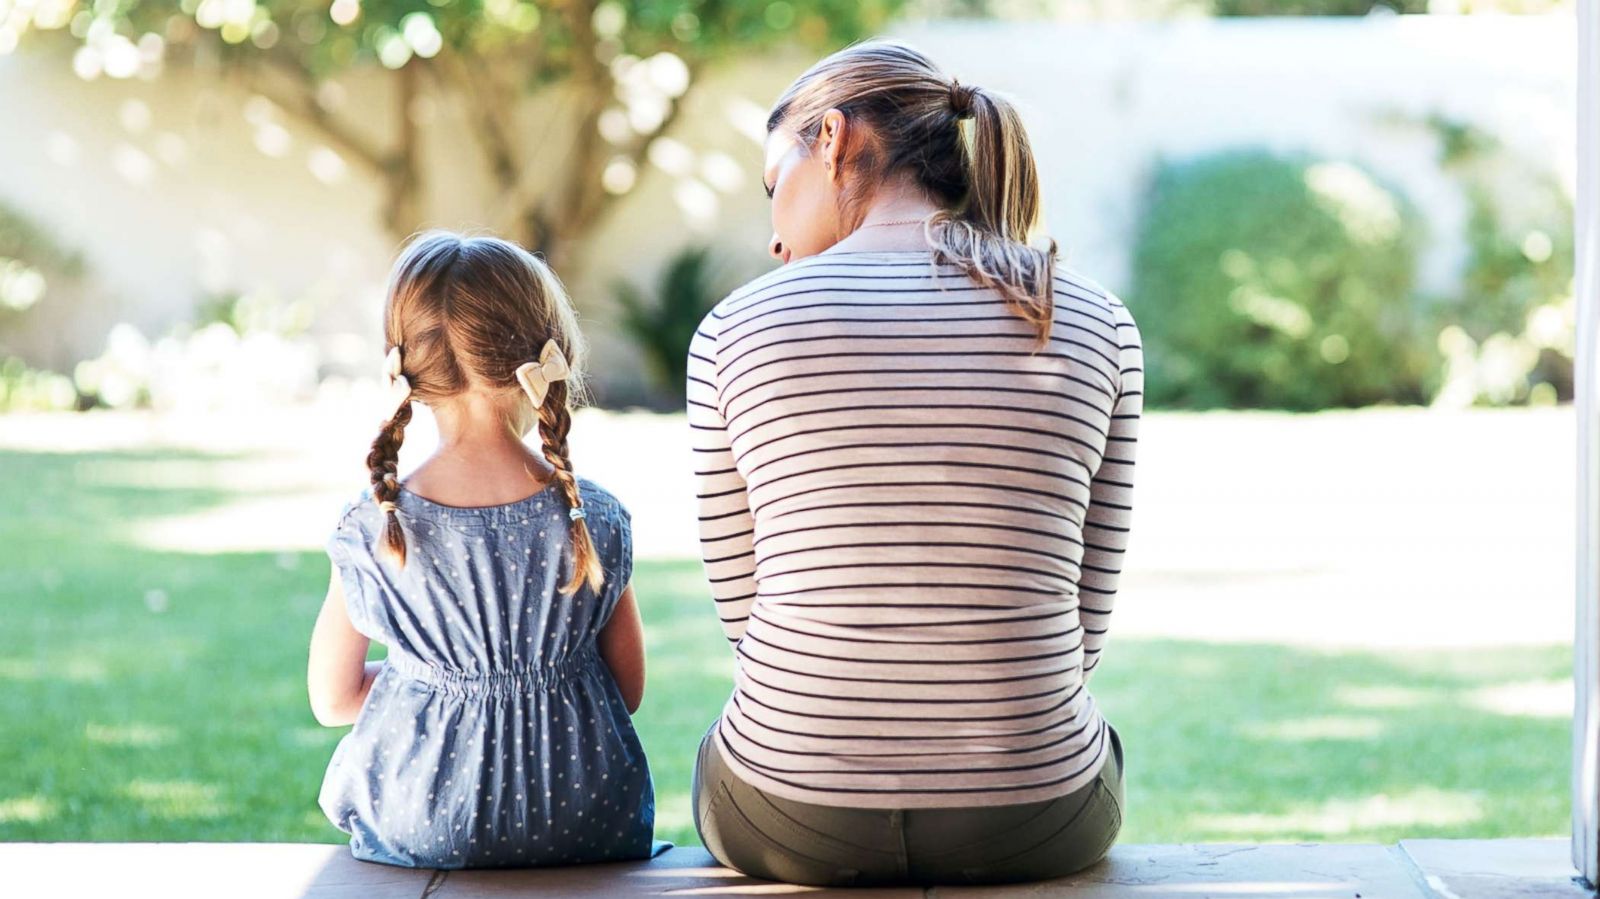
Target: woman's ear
830,143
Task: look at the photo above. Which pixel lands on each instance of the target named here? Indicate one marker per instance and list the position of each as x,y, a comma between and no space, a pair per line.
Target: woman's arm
338,675
622,647
1109,517
727,527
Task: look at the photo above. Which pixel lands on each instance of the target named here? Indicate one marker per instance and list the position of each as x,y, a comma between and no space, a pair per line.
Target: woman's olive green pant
774,838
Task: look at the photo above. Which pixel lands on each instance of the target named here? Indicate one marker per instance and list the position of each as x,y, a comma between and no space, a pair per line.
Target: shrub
1279,281
1508,331
662,329
23,388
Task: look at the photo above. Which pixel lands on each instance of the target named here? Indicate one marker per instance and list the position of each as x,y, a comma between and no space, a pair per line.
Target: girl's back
498,731
494,735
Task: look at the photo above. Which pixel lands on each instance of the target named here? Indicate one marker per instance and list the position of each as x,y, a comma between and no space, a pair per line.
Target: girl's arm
338,675
622,647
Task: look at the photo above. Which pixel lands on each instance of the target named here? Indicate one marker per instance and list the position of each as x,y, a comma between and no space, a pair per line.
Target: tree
621,71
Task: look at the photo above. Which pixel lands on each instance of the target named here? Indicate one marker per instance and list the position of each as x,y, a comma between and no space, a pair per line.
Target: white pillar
1586,666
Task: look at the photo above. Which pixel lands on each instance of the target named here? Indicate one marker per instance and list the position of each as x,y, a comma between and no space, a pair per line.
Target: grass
159,695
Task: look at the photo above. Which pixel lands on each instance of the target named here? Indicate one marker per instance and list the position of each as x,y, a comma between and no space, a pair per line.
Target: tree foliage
624,64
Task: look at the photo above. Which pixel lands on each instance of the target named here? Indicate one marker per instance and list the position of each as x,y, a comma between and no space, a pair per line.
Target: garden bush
661,328
1275,281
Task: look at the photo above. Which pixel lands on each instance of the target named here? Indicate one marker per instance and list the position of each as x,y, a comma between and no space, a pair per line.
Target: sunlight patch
1250,888
83,670
1331,727
1199,665
743,889
1420,807
76,670
284,523
1526,699
25,810
672,811
128,734
175,798
1383,697
18,669
313,737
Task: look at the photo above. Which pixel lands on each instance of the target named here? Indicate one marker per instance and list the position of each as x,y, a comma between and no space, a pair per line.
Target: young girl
498,731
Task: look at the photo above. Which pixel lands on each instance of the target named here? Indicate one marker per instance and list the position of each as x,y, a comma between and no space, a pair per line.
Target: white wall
176,198
1106,101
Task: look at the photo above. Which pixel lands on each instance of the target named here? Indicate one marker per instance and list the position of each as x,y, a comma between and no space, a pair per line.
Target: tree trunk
403,205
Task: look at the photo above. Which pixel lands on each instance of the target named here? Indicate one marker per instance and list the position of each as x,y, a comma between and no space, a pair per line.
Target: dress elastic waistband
503,682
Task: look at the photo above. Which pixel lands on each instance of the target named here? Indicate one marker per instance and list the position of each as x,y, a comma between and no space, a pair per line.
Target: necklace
902,222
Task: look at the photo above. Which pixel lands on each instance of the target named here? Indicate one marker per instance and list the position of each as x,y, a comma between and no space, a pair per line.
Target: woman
914,447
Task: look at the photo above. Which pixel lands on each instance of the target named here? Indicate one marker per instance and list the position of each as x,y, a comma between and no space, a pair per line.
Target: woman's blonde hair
467,311
987,184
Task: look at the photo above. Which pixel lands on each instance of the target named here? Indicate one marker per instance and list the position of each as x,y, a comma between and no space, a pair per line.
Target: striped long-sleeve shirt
913,528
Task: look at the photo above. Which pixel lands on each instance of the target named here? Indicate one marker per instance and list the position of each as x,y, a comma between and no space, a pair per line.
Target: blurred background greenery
198,201
1295,289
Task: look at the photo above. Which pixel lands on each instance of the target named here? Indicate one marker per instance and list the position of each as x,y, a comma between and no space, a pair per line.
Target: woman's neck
891,204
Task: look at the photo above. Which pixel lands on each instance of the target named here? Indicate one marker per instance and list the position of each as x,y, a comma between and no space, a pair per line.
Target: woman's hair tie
576,512
961,98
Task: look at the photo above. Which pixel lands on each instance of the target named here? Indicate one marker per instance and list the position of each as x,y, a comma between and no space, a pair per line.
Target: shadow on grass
156,695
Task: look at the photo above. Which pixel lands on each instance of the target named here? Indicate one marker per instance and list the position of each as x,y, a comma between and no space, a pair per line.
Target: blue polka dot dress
494,736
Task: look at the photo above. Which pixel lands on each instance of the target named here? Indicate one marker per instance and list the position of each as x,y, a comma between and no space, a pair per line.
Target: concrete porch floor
1411,869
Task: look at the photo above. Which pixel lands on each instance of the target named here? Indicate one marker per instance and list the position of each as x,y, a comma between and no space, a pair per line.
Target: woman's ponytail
983,177
987,237
1003,193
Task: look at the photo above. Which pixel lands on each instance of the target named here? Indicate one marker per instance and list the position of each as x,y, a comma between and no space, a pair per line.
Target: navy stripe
846,394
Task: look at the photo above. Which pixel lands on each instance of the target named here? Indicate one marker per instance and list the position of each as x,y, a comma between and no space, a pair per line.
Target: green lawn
150,695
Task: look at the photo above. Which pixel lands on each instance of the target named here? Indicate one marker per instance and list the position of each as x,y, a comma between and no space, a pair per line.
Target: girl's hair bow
536,377
397,388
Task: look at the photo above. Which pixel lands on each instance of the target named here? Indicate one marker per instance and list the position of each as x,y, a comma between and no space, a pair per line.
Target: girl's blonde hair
988,186
466,311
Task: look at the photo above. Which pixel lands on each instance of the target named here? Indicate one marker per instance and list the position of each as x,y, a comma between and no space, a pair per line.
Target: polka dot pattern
495,736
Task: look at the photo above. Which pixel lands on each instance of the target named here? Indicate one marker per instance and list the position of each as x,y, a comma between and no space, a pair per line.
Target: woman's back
935,517
495,734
